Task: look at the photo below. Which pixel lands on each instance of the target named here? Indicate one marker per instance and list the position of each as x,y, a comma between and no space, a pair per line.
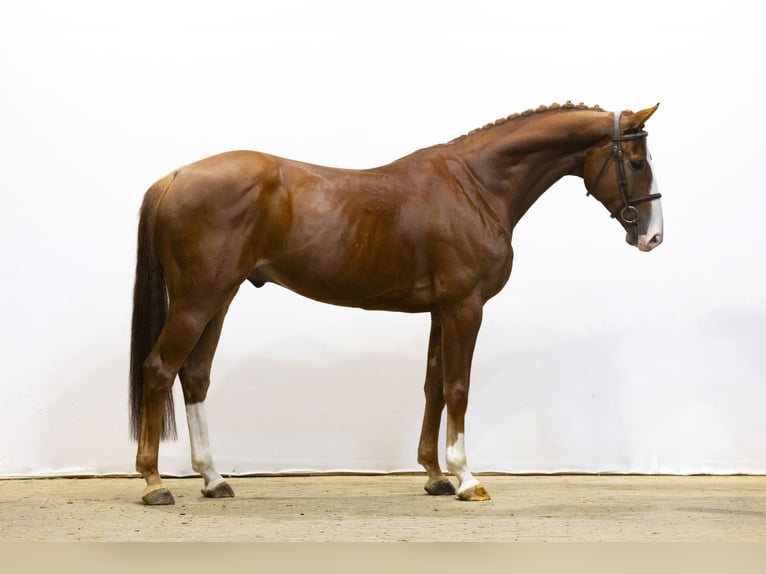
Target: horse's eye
636,164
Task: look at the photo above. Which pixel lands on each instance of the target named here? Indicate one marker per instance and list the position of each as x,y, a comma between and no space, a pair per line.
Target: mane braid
539,110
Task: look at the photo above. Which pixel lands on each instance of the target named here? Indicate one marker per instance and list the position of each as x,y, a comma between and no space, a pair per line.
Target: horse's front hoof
474,494
158,497
223,490
439,487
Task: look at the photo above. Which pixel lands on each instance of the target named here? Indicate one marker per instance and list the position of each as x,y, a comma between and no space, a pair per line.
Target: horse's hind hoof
159,497
474,494
440,487
223,490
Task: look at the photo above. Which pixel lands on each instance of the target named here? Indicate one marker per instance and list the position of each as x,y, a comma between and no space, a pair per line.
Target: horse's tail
150,307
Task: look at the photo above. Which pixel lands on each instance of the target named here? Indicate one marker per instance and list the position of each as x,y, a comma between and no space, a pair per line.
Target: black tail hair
150,308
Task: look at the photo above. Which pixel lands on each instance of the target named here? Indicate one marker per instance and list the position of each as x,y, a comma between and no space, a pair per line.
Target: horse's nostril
646,243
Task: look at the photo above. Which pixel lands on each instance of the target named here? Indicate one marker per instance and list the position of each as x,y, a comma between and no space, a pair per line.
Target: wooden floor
391,508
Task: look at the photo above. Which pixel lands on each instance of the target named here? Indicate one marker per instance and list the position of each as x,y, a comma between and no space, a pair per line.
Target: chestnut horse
428,233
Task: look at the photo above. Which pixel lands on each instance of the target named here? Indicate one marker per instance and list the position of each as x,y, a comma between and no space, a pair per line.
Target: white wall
594,358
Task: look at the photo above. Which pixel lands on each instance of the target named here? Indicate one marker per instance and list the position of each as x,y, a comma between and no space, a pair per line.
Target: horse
428,233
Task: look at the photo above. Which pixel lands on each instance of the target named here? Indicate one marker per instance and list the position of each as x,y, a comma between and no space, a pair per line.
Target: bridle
628,214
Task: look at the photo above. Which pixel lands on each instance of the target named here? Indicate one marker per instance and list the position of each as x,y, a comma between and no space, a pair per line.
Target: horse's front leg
428,448
460,328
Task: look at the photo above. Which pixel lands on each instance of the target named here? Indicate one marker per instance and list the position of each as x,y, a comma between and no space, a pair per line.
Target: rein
628,214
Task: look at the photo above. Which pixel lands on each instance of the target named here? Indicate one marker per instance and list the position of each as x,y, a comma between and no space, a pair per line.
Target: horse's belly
351,286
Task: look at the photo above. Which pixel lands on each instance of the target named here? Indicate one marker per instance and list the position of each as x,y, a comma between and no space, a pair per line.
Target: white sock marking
458,465
202,457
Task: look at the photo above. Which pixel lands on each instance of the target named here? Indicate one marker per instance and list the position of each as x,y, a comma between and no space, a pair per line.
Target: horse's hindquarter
403,237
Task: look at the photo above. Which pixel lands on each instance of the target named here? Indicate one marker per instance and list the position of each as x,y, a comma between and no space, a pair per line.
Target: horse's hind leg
428,449
182,330
195,380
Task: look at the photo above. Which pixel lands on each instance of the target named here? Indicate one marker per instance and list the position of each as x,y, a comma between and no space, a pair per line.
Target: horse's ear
636,121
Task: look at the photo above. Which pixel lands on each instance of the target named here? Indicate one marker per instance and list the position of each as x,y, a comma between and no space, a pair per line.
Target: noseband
628,214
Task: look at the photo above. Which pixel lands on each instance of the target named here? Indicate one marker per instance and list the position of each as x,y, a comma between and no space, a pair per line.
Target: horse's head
619,174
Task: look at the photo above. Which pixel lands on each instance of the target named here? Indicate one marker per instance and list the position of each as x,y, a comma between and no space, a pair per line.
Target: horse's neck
519,160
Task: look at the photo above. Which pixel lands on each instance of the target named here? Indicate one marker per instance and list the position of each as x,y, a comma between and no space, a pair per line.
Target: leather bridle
628,214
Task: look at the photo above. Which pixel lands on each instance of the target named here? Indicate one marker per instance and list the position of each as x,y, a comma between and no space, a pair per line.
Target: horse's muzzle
649,242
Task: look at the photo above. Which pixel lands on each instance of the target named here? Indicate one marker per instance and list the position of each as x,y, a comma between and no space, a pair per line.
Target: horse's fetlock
146,465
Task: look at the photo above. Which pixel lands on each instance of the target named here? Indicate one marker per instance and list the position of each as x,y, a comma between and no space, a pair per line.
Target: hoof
223,490
440,487
159,497
474,494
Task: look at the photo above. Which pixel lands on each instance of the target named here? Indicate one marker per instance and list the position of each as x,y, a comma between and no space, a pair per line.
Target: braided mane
539,110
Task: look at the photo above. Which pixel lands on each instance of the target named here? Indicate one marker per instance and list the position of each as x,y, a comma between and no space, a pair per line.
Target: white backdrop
595,357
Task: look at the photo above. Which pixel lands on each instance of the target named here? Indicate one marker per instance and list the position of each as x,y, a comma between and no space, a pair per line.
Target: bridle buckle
629,215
